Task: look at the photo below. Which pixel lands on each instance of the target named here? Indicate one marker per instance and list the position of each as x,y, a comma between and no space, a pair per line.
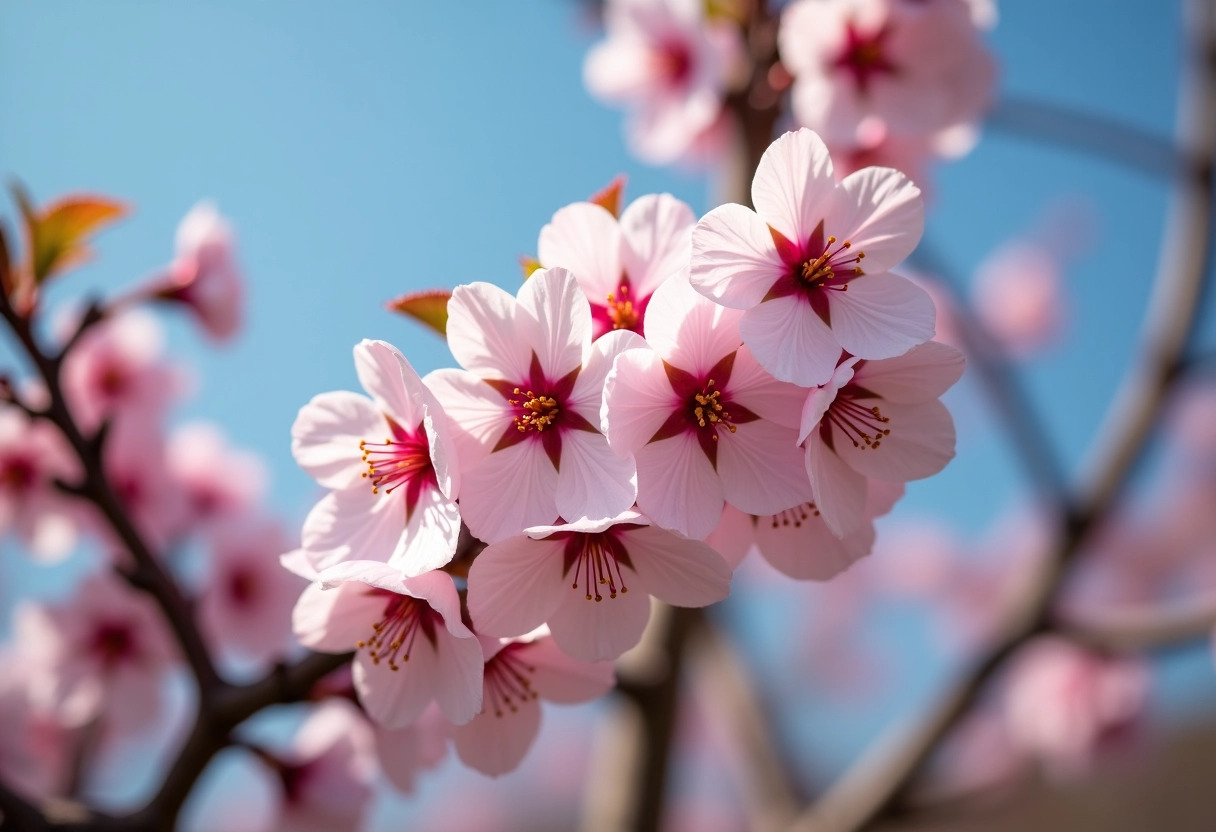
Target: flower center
820,271
620,309
795,516
864,426
539,412
707,410
17,473
113,642
596,562
674,61
396,461
243,587
393,636
508,681
864,57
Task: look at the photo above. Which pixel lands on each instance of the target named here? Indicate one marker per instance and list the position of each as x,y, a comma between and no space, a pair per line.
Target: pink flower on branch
519,673
879,420
527,406
705,423
391,462
619,264
204,275
591,582
669,64
33,455
412,647
809,266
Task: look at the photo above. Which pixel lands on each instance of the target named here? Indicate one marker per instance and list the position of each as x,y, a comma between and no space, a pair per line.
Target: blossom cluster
662,393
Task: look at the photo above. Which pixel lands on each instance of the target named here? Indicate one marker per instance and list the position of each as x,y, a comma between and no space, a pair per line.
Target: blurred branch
1092,134
874,786
1141,628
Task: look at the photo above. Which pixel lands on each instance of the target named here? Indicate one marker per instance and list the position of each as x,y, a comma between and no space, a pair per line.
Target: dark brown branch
876,783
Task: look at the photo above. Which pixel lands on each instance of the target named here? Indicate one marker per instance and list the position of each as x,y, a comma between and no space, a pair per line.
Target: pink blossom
419,746
391,462
247,599
797,542
591,581
619,264
137,469
218,481
379,610
1018,294
918,66
518,673
879,420
704,421
1068,705
795,264
527,406
670,66
100,654
328,772
33,455
33,745
204,274
116,367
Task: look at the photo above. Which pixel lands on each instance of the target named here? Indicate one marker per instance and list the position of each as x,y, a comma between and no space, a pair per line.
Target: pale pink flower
328,772
218,481
795,264
880,420
703,420
518,673
1018,294
619,263
670,66
1068,705
919,66
419,746
137,469
102,653
204,274
379,610
527,406
797,542
246,601
116,367
33,455
591,581
33,745
392,463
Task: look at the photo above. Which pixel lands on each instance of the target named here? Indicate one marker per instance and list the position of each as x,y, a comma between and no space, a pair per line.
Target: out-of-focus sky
367,149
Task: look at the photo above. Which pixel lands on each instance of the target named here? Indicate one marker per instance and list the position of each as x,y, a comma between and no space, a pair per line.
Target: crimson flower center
508,681
113,642
537,412
864,426
674,62
865,57
621,310
17,473
397,460
708,412
840,265
393,636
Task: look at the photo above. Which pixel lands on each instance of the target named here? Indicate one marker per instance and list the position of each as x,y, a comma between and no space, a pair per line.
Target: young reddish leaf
429,306
610,197
529,264
58,234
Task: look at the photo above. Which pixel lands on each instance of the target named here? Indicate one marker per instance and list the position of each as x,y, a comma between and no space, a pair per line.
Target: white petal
515,585
555,318
585,239
677,487
840,492
734,259
594,482
657,230
430,536
354,524
922,373
482,333
593,631
689,331
637,400
476,411
791,341
881,213
794,187
326,434
559,678
882,316
920,444
495,743
391,381
509,491
761,469
674,569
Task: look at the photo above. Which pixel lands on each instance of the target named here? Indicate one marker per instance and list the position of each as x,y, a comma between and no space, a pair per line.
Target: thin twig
873,786
1141,628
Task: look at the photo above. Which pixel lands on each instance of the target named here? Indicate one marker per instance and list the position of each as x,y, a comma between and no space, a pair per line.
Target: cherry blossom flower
419,746
518,673
703,420
918,66
619,264
204,274
115,367
881,420
100,654
219,481
33,745
247,600
795,264
1019,296
527,406
377,609
670,65
33,456
1068,705
137,468
328,772
797,542
391,462
591,581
